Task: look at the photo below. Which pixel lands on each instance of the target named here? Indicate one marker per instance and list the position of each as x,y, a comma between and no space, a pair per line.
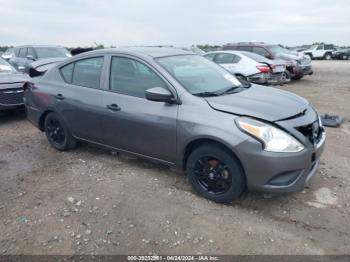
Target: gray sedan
178,108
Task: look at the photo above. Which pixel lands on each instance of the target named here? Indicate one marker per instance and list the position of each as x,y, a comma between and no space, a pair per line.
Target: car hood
261,102
12,77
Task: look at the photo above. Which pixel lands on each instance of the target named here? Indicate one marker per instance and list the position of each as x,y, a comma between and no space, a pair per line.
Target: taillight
264,68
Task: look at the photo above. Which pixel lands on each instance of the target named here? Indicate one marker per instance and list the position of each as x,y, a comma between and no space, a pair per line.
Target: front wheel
57,133
215,173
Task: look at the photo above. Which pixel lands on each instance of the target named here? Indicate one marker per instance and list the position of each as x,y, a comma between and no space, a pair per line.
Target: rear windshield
255,57
49,52
276,49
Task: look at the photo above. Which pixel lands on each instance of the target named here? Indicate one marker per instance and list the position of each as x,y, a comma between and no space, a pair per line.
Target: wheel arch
192,145
42,119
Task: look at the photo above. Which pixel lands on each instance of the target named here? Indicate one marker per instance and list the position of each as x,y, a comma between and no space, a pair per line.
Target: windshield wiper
206,94
229,90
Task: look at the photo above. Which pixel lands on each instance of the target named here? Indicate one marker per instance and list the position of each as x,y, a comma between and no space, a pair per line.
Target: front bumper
299,70
11,98
280,172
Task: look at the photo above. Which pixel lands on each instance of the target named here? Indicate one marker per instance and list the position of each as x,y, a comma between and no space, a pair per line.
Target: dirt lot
90,201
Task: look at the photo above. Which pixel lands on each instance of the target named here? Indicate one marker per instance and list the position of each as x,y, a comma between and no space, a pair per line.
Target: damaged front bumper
283,172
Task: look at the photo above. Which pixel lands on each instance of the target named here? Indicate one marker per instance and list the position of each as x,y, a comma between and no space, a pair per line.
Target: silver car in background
252,67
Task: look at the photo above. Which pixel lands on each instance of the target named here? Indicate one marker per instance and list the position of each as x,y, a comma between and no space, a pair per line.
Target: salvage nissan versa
181,109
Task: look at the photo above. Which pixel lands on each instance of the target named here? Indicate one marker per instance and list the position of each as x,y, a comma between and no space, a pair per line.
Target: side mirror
269,56
159,94
30,57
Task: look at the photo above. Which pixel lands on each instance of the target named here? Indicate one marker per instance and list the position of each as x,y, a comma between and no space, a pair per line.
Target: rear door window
86,72
224,58
67,72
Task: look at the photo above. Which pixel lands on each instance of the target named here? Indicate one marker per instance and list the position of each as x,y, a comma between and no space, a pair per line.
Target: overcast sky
176,22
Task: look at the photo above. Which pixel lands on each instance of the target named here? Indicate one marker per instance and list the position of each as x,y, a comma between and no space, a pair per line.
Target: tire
297,77
310,55
57,133
328,56
345,57
215,173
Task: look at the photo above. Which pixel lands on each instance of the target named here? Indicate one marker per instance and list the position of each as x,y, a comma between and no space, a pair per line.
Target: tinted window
328,47
133,78
22,52
49,52
209,56
86,72
16,51
245,48
67,72
261,51
320,47
31,52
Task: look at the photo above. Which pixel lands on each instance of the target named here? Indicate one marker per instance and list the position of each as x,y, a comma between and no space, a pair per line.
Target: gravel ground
91,201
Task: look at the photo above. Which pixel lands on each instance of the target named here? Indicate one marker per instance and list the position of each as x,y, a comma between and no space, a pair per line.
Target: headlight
272,138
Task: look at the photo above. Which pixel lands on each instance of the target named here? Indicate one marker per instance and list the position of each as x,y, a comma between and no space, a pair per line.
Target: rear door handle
59,97
114,107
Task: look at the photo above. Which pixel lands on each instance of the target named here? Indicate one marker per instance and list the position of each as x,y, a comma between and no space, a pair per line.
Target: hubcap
213,175
56,132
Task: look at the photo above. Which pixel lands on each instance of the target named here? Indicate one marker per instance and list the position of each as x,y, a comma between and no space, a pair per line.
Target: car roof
154,52
250,55
249,44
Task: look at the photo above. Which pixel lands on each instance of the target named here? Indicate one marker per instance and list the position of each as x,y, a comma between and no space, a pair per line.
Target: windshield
49,52
276,49
197,74
5,67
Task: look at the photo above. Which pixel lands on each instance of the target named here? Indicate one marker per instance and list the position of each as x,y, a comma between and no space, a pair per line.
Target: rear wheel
57,133
328,56
297,77
215,173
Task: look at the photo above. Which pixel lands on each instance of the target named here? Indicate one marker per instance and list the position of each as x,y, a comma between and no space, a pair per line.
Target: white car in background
250,66
7,54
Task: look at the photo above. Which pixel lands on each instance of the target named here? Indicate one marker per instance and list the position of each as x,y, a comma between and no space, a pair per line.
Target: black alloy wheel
215,173
57,133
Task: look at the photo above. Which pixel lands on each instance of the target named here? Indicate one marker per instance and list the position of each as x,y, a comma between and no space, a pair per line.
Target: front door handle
59,97
114,107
